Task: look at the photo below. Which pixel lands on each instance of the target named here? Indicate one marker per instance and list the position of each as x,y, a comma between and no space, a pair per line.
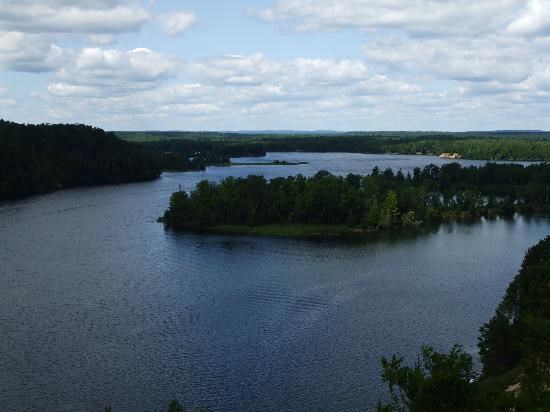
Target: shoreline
306,231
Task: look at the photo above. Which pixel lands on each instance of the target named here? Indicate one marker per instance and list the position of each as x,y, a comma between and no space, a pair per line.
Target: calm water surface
100,305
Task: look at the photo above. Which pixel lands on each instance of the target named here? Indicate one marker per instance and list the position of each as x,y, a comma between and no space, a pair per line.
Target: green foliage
175,406
372,214
379,201
437,382
185,160
409,218
473,145
514,349
518,335
389,215
41,158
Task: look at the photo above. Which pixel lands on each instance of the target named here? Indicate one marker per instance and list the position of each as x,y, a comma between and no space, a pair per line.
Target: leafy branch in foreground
514,349
436,382
175,406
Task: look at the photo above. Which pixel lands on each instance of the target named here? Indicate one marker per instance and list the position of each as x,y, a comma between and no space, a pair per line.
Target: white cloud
176,23
102,39
423,64
198,109
98,72
7,102
483,47
234,90
483,59
98,17
256,70
325,93
29,53
72,90
412,16
535,19
380,84
250,84
539,81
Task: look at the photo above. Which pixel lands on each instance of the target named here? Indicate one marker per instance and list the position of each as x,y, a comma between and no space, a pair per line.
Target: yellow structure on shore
450,156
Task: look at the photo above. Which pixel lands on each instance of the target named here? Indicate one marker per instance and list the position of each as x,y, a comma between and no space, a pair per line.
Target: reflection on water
99,304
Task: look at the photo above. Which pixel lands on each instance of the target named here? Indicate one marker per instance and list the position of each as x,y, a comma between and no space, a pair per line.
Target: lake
101,305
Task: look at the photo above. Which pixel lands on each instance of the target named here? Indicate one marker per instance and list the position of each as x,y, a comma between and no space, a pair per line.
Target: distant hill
287,132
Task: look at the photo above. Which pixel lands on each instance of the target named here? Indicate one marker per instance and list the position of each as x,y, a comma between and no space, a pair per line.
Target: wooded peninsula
325,204
37,159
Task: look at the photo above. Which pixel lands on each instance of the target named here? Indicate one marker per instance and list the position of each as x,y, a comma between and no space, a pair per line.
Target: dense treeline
515,344
481,146
179,155
515,353
380,200
209,148
41,158
481,149
187,160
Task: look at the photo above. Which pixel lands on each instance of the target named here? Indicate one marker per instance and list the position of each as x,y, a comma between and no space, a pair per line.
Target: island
328,205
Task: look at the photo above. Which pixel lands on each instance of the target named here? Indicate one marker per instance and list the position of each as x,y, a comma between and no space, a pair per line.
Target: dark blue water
100,305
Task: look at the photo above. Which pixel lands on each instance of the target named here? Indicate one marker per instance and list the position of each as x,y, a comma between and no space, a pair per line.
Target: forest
41,158
529,146
514,349
381,200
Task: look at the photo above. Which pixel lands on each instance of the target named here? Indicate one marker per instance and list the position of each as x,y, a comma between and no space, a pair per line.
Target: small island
327,205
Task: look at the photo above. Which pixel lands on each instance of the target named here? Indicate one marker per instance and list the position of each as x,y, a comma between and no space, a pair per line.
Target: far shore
273,163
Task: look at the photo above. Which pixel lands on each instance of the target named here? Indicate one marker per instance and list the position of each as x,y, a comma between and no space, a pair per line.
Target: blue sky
277,64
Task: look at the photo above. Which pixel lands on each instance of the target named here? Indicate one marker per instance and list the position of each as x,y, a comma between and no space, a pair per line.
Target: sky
277,64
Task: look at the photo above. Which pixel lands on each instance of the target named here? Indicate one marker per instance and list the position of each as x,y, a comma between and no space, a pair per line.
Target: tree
409,218
389,216
372,214
41,158
437,382
382,201
175,406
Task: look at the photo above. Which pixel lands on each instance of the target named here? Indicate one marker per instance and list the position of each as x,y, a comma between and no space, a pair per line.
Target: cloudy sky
277,64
